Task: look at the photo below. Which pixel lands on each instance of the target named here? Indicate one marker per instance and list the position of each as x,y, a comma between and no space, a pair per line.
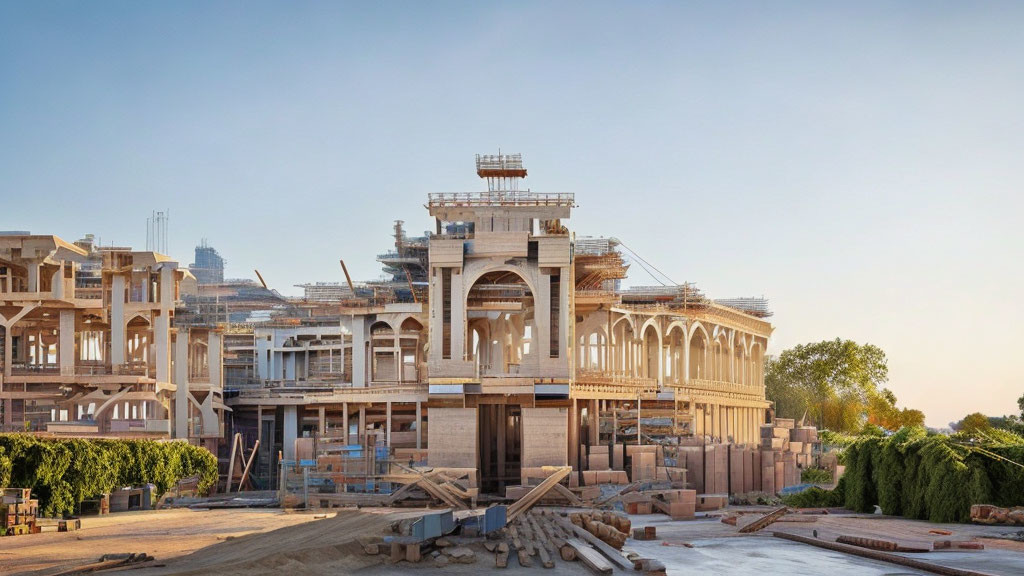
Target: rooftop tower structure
503,172
209,265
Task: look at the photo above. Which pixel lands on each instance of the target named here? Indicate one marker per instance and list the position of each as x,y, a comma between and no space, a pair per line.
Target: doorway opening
500,440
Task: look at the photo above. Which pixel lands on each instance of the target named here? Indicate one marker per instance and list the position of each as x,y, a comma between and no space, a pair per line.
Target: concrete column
639,434
398,357
57,282
574,432
563,314
458,318
213,359
117,321
66,348
731,352
291,431
662,355
181,381
322,421
595,419
387,429
344,422
8,352
361,433
8,414
542,317
33,276
419,425
359,340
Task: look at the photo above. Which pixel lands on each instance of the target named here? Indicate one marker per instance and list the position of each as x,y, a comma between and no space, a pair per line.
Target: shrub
63,472
815,497
816,476
935,477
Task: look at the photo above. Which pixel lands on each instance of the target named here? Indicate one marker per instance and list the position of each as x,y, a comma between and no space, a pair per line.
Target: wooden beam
533,496
248,465
231,462
590,558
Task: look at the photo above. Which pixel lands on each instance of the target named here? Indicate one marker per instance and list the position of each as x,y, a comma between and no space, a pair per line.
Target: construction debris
764,521
881,556
534,496
988,514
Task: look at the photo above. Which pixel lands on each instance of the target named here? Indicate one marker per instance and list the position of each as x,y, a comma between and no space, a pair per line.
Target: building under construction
498,342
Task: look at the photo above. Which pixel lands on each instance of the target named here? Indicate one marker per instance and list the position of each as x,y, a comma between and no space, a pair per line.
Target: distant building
325,292
209,266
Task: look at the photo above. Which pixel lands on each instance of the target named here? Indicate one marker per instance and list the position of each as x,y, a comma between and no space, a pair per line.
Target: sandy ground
164,534
257,542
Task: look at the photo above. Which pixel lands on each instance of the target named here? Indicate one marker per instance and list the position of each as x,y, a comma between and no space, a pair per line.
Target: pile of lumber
611,528
988,514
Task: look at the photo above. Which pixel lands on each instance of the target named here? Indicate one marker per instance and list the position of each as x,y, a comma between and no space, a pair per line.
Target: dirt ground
165,534
267,541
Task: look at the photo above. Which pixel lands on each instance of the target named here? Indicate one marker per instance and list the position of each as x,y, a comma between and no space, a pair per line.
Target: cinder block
768,479
618,460
598,462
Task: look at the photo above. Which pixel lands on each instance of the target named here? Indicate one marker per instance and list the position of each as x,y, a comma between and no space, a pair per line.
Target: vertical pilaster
66,348
213,358
117,320
359,352
291,431
419,426
181,381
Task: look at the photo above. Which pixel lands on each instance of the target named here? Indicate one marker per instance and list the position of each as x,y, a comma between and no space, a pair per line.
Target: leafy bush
936,477
836,439
63,472
815,497
816,476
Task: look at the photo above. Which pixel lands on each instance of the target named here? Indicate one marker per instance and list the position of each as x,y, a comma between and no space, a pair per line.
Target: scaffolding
757,307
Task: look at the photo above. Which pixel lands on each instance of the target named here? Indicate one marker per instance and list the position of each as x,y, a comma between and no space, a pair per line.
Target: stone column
359,335
291,431
117,321
67,342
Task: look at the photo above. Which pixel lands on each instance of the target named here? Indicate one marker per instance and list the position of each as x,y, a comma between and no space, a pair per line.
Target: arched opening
383,353
411,340
698,354
625,348
137,341
652,352
500,324
676,350
740,360
756,364
721,358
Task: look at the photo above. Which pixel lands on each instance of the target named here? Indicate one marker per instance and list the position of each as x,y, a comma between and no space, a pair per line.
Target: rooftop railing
503,198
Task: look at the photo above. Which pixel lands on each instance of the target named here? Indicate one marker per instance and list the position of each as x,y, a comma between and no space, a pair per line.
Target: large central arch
500,322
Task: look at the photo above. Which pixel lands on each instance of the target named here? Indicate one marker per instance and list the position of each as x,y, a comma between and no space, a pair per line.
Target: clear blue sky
858,164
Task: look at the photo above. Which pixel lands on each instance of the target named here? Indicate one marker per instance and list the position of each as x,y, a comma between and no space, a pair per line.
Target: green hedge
934,478
63,472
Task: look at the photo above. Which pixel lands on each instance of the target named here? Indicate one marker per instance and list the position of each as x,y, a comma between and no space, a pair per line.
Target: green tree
976,422
833,382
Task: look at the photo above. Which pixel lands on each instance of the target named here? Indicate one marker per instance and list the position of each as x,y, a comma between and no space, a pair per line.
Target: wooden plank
590,557
764,521
573,499
534,496
248,465
610,553
231,463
